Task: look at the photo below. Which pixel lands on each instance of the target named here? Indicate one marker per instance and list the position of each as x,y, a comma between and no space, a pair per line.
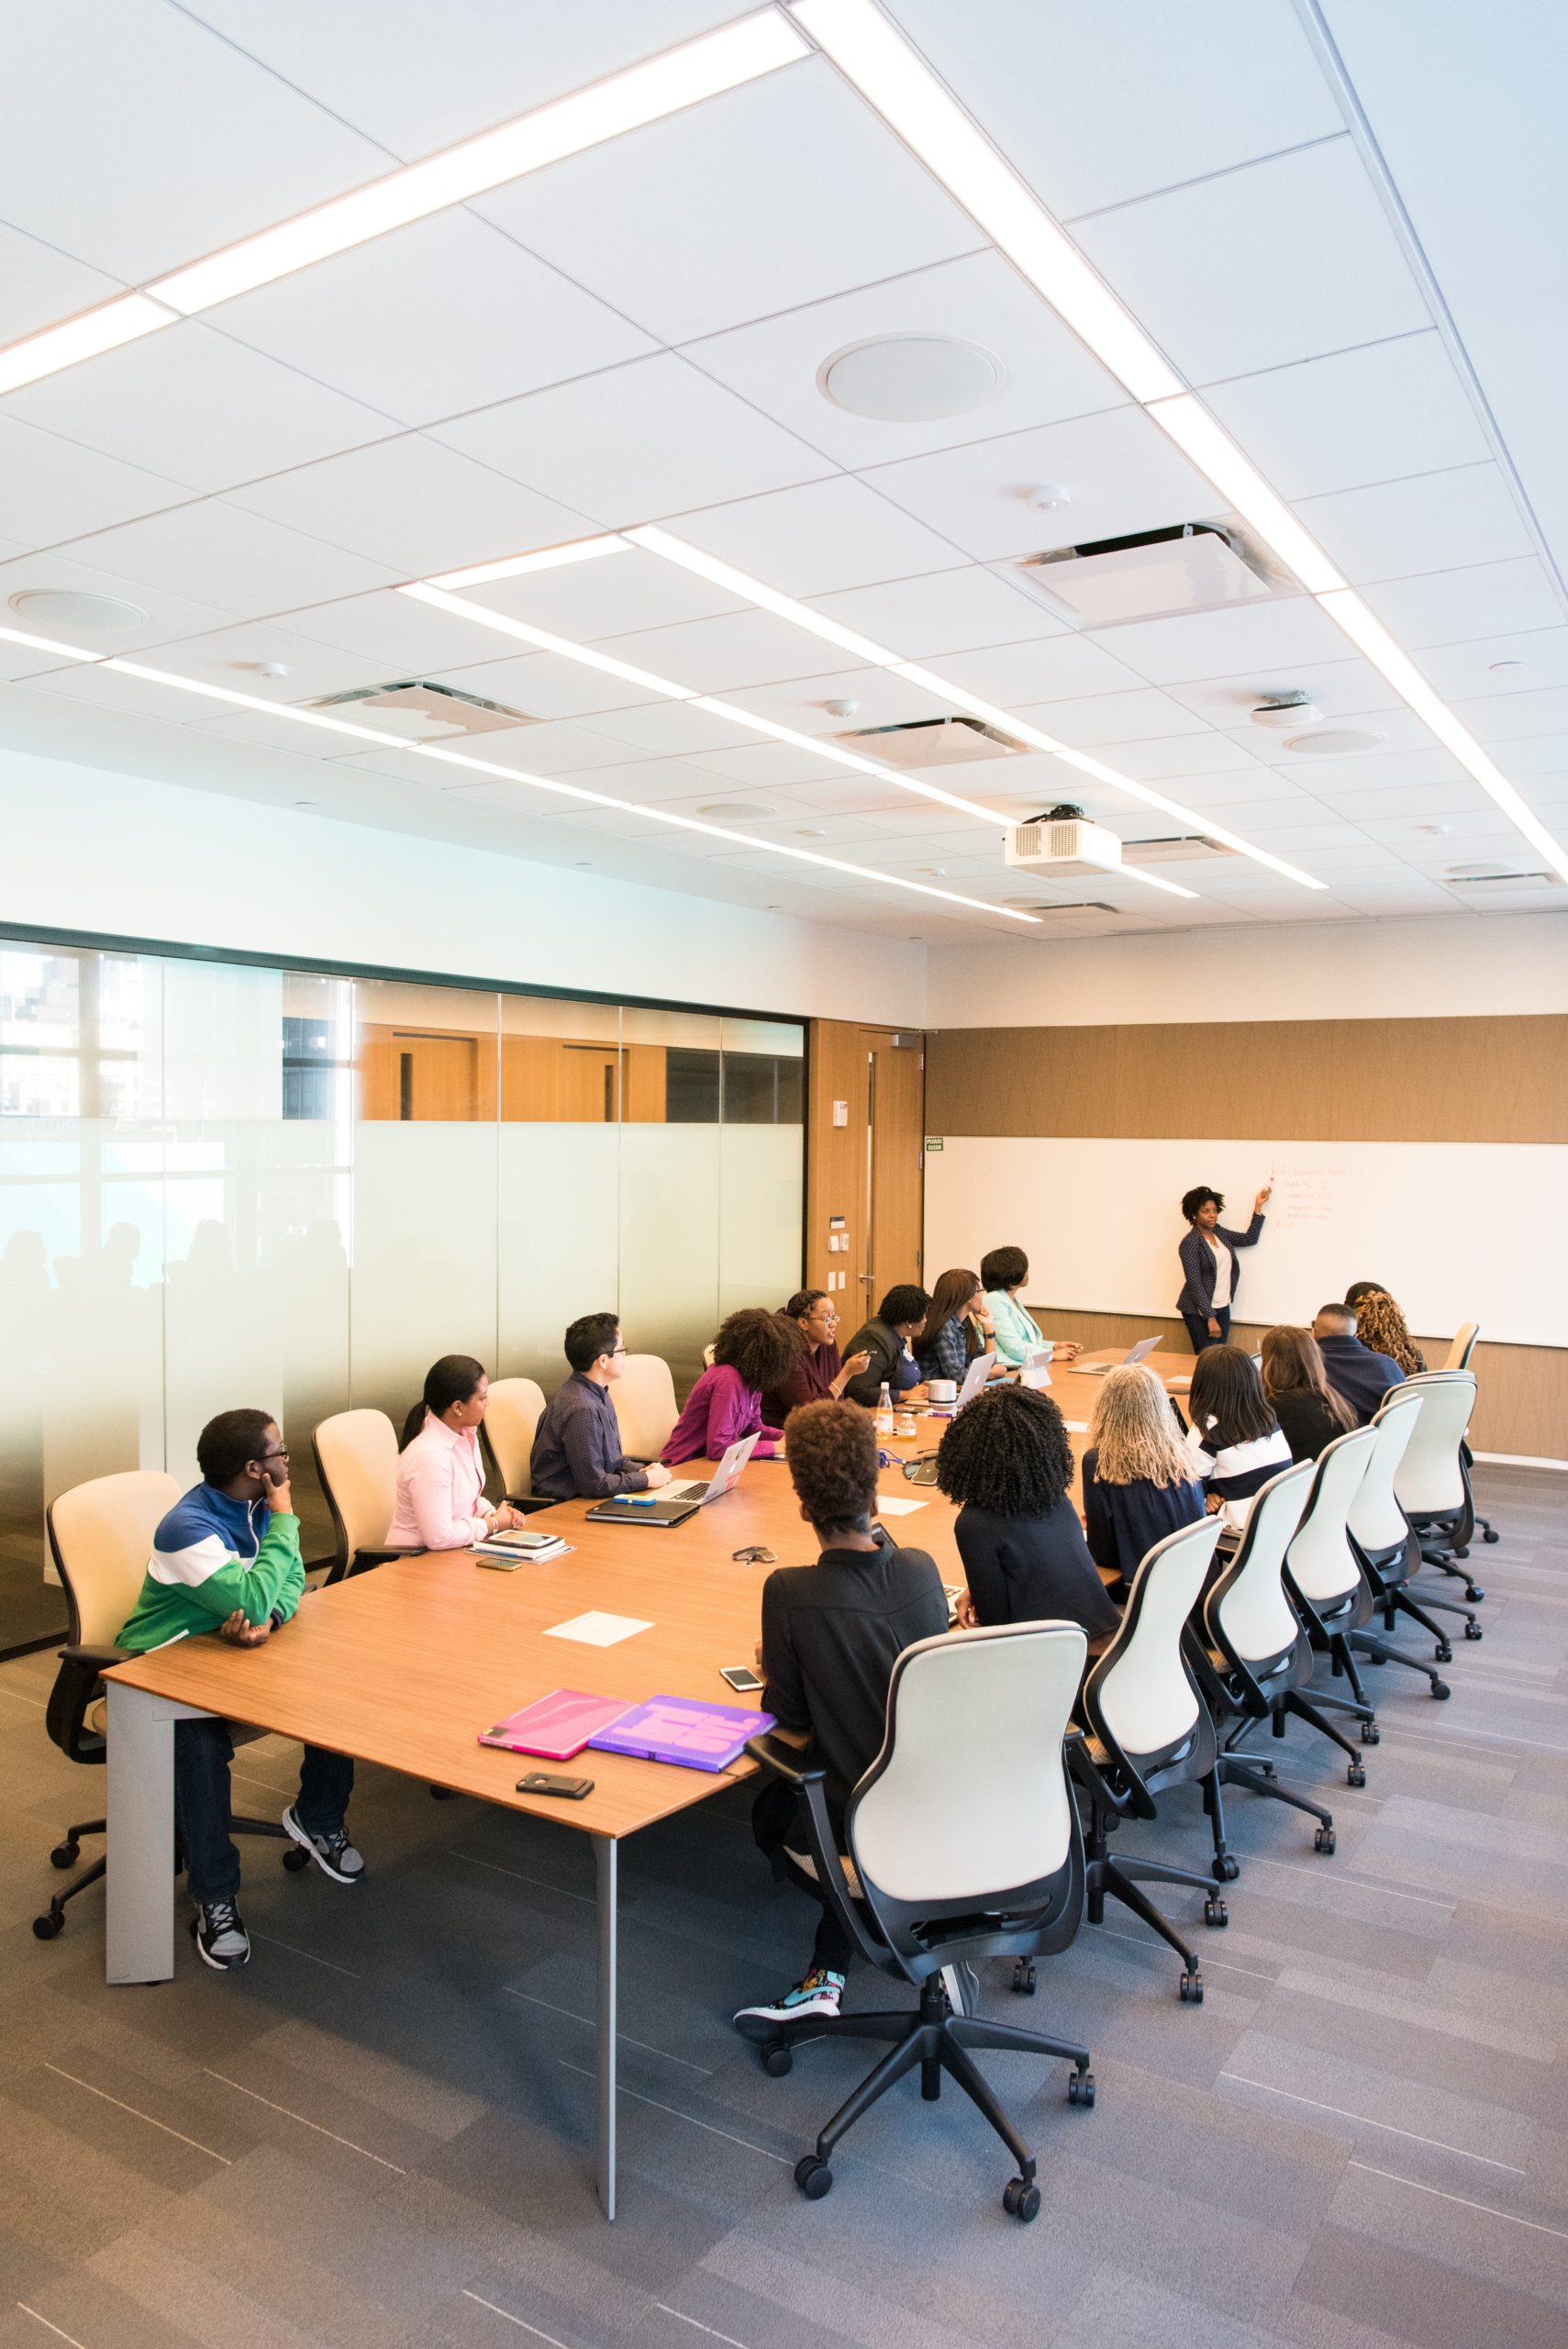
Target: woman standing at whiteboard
1209,1270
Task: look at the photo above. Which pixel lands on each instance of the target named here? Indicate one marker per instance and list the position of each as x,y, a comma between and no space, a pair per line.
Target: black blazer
1307,1422
886,1351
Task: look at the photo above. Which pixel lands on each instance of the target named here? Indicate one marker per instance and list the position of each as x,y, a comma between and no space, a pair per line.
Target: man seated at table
226,1559
831,1635
1362,1378
577,1450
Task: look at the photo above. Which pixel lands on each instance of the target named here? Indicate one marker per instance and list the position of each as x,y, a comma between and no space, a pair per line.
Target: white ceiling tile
1429,523
1217,644
1426,803
413,505
282,733
226,557
944,611
718,656
715,216
552,748
1016,675
1399,725
764,765
136,697
545,684
1281,260
667,728
1372,771
198,408
1452,606
134,138
1540,656
1166,760
608,595
38,285
1119,469
437,319
824,536
636,443
981,299
1341,688
370,61
1214,787
1375,413
1505,718
1094,105
227,657
167,615
880,699
1104,718
51,490
1538,754
405,637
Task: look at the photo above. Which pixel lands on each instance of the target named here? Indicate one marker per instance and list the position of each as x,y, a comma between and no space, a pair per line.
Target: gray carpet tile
378,2135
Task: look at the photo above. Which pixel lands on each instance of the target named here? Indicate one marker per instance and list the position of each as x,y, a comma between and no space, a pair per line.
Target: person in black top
1137,1481
831,1635
1007,1458
885,1341
1362,1378
1311,1412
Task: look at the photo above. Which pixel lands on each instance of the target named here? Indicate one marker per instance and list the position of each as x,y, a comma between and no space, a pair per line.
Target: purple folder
554,1727
682,1730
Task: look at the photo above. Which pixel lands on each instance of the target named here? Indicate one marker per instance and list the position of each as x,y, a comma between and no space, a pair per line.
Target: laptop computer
1134,1354
672,1504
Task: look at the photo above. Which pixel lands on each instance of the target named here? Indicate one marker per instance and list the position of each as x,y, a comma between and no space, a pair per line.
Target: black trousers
1197,1327
203,1752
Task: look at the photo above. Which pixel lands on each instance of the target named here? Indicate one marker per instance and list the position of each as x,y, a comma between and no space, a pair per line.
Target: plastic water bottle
885,1409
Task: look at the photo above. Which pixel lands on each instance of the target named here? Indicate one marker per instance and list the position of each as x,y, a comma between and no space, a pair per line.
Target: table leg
605,1856
140,1810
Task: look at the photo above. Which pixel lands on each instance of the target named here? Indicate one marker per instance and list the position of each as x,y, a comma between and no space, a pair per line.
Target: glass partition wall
222,1184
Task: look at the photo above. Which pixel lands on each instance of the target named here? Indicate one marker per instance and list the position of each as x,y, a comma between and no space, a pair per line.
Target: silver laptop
1134,1354
672,1504
723,1479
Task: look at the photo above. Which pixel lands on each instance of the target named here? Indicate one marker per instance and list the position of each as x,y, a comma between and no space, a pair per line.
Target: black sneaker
219,1933
333,1853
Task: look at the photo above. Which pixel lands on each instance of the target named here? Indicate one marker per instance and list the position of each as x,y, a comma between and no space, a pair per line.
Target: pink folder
555,1726
682,1729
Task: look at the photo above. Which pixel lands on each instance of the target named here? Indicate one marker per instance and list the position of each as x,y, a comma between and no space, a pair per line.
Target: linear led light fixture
1213,451
1366,631
517,566
662,85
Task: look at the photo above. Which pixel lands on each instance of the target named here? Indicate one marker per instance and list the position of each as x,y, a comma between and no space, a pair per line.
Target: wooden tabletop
406,1664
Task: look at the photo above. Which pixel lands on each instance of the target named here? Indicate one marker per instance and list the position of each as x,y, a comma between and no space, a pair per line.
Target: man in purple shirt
577,1450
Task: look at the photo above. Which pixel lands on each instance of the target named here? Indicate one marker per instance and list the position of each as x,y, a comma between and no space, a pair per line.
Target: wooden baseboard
1521,1392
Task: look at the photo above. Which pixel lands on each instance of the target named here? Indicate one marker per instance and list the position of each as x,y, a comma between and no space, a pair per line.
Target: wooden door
895,1162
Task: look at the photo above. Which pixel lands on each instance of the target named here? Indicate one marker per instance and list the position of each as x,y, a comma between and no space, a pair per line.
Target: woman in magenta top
755,1350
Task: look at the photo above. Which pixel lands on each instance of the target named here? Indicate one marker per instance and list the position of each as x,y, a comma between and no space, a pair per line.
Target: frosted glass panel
424,1275
560,1241
669,1243
760,1215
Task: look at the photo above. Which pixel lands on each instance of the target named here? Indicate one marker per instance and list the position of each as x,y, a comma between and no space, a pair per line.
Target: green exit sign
933,1142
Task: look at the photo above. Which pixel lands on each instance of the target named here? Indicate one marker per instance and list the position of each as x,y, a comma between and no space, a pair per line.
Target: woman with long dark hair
440,1476
1234,1441
957,1327
1310,1411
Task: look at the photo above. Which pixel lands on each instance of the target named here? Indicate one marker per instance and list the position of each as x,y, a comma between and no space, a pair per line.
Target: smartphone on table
541,1782
741,1678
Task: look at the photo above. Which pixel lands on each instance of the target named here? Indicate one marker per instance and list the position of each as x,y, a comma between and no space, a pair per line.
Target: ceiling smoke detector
72,607
911,378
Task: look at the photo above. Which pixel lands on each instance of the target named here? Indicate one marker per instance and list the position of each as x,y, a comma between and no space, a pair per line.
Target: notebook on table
698,1736
672,1504
554,1727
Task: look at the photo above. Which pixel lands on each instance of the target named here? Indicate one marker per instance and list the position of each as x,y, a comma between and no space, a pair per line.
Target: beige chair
1463,1346
356,1460
507,1431
101,1537
644,1398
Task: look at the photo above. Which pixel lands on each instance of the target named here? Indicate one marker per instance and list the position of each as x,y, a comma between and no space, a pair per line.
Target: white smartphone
741,1678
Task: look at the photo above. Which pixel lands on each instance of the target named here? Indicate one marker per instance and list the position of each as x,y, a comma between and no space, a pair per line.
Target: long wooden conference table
404,1666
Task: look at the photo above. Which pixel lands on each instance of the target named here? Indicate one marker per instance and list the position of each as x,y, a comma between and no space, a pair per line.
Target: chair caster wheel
1459,1553
1355,1775
49,1925
1474,1593
295,1859
1227,1867
1081,2090
1473,1632
1023,1976
1191,1990
1324,1842
65,1855
1490,1534
1215,1911
1020,2199
1443,1653
778,2059
813,2176
1440,1689
1372,1734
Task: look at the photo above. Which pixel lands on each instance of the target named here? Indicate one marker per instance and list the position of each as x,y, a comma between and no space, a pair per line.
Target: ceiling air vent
1465,876
935,742
1082,906
423,712
1192,567
1181,849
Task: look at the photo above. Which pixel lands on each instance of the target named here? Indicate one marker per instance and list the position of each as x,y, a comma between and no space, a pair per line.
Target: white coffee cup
941,1391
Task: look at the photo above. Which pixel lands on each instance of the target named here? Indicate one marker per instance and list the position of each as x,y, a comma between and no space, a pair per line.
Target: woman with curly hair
1007,1460
1381,1325
754,1348
1139,1484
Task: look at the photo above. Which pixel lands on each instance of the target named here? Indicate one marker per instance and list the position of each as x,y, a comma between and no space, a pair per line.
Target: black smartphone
539,1781
741,1678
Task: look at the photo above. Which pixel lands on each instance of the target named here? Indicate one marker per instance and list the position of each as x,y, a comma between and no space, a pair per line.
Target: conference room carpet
378,2135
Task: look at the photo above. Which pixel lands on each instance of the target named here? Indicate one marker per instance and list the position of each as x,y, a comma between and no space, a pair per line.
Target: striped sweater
211,1555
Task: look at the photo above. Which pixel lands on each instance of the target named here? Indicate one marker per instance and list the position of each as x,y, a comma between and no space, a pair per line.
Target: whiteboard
1461,1232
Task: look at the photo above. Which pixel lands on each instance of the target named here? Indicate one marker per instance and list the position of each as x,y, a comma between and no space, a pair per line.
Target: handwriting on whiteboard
1305,1194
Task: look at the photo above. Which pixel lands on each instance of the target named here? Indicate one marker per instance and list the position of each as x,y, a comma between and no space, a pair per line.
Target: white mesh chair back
356,1457
644,1398
1255,1613
1323,1566
1429,1480
1142,1692
101,1533
969,1795
1463,1346
1375,1518
511,1415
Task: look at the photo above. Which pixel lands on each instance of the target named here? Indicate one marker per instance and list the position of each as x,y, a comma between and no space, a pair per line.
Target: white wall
1497,963
83,849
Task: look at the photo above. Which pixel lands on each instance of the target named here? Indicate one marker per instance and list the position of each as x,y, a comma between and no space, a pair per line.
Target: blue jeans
203,1752
1197,1327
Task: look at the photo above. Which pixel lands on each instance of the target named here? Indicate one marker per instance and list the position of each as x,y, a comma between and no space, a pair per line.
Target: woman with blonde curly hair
1137,1480
1381,1325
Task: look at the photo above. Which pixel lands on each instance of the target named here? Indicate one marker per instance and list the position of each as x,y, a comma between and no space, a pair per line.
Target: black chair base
1119,1880
1239,1769
66,1853
937,2041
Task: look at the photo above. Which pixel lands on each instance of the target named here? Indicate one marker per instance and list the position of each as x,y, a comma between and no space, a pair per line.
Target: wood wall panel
835,1155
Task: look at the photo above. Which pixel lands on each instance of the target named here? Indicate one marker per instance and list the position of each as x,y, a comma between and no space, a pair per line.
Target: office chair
1432,1483
1258,1658
965,1843
356,1460
1324,1576
100,1535
644,1398
1149,1731
1381,1537
1459,1358
507,1432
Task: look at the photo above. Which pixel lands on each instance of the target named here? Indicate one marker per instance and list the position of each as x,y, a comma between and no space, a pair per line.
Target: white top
1221,1273
440,1483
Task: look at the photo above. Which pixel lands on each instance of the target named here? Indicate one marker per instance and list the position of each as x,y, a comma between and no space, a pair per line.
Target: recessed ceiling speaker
736,811
1335,741
74,607
911,378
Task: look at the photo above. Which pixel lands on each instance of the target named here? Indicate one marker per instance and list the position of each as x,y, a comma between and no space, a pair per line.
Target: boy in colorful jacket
226,1559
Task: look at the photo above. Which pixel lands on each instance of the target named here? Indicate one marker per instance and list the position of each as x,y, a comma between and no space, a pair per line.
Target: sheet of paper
1076,1427
597,1629
889,1506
